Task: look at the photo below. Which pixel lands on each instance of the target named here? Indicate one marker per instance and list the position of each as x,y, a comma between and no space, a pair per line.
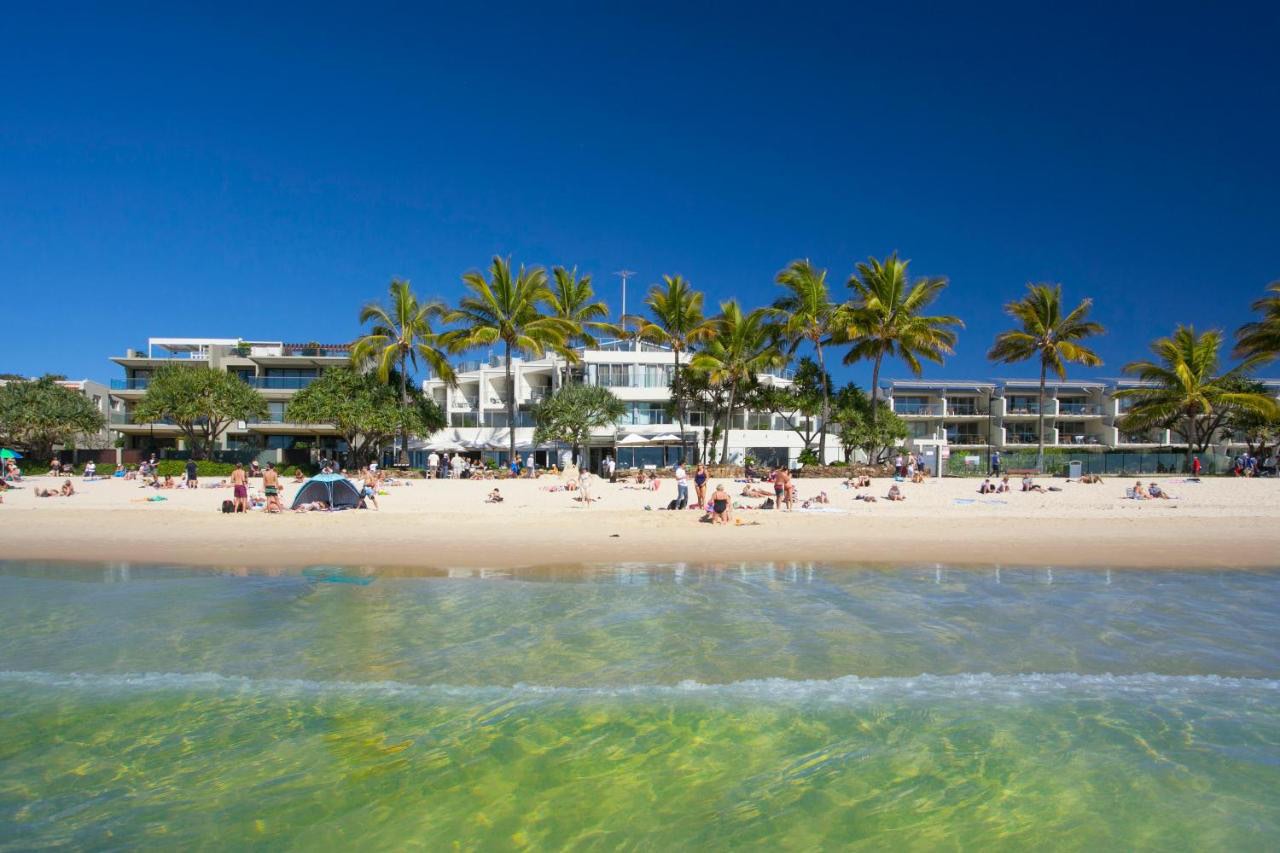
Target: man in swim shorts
240,488
271,488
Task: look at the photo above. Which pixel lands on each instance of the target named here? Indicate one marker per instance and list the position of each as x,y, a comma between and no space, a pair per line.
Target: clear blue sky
260,171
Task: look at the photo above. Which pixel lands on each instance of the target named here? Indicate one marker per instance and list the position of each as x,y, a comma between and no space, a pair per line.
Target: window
912,406
462,419
964,433
1070,428
1021,404
1022,433
609,375
962,405
656,375
275,412
918,429
769,457
644,414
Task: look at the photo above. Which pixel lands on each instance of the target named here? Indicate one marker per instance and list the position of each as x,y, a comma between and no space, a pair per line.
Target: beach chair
1130,494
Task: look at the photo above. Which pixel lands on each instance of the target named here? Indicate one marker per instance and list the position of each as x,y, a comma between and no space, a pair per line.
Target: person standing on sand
584,487
1195,466
192,482
995,463
271,488
700,484
682,486
433,463
240,488
783,489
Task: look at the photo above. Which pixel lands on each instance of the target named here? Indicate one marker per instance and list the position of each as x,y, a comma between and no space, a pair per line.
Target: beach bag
768,504
673,505
228,506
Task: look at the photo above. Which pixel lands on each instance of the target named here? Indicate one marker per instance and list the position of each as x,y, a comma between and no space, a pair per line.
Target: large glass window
1023,404
962,405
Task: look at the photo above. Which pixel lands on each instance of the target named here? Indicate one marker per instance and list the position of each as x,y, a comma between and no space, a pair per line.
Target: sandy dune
1217,523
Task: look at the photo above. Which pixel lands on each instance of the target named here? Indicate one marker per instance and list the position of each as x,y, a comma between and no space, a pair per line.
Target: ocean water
639,707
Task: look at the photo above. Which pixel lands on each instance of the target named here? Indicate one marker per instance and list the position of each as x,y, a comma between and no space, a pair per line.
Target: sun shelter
334,489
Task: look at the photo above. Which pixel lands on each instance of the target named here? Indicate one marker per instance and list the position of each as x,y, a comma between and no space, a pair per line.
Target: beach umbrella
6,453
666,438
632,439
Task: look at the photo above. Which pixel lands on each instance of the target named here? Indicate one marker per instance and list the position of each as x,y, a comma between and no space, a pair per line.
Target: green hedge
208,468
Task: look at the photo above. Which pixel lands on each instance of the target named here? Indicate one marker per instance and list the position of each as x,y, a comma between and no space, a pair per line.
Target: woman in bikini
721,506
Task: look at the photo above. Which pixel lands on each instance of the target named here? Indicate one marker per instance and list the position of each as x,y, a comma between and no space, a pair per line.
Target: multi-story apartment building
1003,414
639,373
278,370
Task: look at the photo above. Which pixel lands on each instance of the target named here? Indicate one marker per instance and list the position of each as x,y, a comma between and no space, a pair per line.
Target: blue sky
260,171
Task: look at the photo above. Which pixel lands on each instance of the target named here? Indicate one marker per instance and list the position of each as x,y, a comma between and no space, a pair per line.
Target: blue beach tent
334,489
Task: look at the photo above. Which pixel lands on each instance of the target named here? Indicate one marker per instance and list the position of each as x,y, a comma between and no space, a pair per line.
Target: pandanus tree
886,318
1047,334
676,321
1182,389
401,336
573,299
1259,342
507,308
741,346
806,313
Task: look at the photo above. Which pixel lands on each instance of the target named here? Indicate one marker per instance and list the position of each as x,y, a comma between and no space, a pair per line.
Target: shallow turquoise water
648,707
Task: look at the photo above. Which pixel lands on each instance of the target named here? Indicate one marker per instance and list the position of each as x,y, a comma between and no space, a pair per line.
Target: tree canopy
200,401
38,414
575,411
367,412
858,430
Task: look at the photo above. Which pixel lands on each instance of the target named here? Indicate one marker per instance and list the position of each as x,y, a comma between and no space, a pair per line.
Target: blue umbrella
6,453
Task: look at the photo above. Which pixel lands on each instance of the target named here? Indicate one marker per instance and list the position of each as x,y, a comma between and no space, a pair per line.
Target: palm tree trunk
826,406
1040,419
875,390
403,459
511,406
728,427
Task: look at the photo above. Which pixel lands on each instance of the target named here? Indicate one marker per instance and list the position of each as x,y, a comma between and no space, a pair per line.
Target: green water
659,707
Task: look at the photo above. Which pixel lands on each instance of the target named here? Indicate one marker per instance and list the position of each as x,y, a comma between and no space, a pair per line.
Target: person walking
995,463
433,464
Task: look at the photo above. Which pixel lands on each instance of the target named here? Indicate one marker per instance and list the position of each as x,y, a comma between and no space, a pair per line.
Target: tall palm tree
507,308
884,318
677,322
573,300
1259,342
401,335
1182,386
806,314
1048,334
741,346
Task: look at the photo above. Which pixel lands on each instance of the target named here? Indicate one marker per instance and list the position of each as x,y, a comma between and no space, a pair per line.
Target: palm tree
399,337
573,300
805,314
677,322
742,346
507,308
885,318
1259,342
1048,334
1183,386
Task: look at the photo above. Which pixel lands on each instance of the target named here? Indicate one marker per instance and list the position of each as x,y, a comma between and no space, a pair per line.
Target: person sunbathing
297,476
1158,493
168,482
1138,493
752,492
868,498
66,491
495,497
1004,485
857,483
311,506
1091,479
820,498
895,494
918,477
1028,485
986,488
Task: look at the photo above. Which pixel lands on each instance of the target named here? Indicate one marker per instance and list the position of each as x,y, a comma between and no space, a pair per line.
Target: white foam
842,690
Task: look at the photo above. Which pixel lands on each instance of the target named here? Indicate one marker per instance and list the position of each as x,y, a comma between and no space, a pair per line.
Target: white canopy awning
632,438
667,438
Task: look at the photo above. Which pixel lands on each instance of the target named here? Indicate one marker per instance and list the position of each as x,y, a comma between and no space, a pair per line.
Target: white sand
1216,523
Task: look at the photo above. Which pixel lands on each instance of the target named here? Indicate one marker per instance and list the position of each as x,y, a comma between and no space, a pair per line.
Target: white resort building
639,373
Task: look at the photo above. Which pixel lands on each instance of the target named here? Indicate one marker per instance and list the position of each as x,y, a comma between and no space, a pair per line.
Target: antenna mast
624,275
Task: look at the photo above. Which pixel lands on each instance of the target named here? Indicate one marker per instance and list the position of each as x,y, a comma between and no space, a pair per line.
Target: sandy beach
1224,523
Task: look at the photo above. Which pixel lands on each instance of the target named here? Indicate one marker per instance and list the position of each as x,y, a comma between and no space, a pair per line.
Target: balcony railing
279,383
934,409
966,438
136,384
962,409
128,419
1079,409
312,352
537,395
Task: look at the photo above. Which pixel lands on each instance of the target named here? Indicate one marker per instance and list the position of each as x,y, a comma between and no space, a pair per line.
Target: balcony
1079,409
966,438
303,352
917,410
127,419
537,395
279,383
962,410
137,384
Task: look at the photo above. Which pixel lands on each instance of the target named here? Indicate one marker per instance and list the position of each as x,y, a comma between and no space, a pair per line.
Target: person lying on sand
494,497
868,498
753,492
857,483
66,491
820,498
918,477
312,506
1158,493
1029,485
1091,479
895,494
